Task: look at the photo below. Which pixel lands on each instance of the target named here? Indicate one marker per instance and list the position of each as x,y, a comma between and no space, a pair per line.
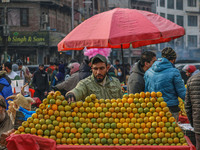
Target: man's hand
70,97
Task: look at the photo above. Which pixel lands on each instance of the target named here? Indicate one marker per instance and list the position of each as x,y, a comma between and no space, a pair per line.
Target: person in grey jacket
71,82
192,105
136,82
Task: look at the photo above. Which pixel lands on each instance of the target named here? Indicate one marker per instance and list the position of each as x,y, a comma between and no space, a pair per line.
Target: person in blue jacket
164,77
5,86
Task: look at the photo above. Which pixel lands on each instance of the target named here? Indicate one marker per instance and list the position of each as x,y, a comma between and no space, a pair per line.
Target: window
179,20
1,16
170,4
18,17
192,3
192,40
170,17
179,4
192,21
162,3
24,17
162,15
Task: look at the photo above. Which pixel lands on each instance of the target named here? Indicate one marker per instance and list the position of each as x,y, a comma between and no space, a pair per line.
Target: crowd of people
98,76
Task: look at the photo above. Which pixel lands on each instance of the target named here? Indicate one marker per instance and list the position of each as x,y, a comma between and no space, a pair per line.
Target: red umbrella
121,27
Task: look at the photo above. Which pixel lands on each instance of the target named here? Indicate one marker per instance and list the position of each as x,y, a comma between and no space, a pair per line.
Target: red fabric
32,142
37,101
52,68
183,119
29,142
32,92
121,26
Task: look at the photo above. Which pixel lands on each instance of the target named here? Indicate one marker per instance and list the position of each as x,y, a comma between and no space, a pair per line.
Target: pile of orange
136,119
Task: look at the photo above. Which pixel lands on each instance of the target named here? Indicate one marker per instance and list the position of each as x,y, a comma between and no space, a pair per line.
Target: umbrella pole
124,76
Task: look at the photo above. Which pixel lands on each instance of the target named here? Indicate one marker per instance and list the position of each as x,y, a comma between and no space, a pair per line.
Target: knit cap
169,53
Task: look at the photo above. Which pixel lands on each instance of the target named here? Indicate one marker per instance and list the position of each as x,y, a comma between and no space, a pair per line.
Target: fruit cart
140,120
32,142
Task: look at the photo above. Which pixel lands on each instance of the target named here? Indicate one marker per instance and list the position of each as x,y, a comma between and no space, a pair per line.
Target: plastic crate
191,136
18,119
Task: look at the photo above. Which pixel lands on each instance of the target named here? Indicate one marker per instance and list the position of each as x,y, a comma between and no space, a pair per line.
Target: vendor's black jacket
40,80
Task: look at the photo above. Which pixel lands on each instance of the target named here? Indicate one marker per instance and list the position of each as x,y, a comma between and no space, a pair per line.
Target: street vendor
99,83
5,122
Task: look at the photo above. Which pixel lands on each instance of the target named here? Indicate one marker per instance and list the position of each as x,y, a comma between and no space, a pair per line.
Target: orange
153,94
21,129
164,119
159,94
34,115
131,115
108,114
137,95
164,129
130,100
134,130
158,109
50,112
171,119
163,104
161,114
142,95
158,130
148,94
115,141
146,130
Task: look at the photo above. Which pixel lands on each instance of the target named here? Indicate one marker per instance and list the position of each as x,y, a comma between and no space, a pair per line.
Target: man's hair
146,56
117,60
97,60
9,65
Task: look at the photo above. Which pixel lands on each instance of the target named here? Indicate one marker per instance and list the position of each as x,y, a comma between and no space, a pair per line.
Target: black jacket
84,71
40,81
136,83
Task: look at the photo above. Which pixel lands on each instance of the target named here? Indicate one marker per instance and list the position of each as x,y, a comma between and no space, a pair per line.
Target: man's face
41,67
187,74
20,67
151,62
99,71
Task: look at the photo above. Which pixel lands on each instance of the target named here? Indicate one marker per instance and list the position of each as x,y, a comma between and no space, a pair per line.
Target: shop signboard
27,39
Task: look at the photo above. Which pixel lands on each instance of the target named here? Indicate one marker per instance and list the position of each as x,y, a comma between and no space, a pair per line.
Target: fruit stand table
32,142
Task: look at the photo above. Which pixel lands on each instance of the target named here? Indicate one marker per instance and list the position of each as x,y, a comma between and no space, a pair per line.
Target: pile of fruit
136,119
182,107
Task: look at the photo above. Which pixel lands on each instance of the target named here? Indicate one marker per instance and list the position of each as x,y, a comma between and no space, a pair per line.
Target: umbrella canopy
120,27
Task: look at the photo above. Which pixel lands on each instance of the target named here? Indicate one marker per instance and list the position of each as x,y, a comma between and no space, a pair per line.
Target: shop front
31,47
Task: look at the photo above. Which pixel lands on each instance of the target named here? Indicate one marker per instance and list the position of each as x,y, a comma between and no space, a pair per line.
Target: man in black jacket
192,105
40,83
136,82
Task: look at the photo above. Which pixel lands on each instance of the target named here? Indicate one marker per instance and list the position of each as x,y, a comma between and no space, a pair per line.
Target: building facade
35,27
186,14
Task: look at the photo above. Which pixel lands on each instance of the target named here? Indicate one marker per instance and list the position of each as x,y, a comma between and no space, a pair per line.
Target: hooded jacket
61,74
136,81
5,86
164,77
